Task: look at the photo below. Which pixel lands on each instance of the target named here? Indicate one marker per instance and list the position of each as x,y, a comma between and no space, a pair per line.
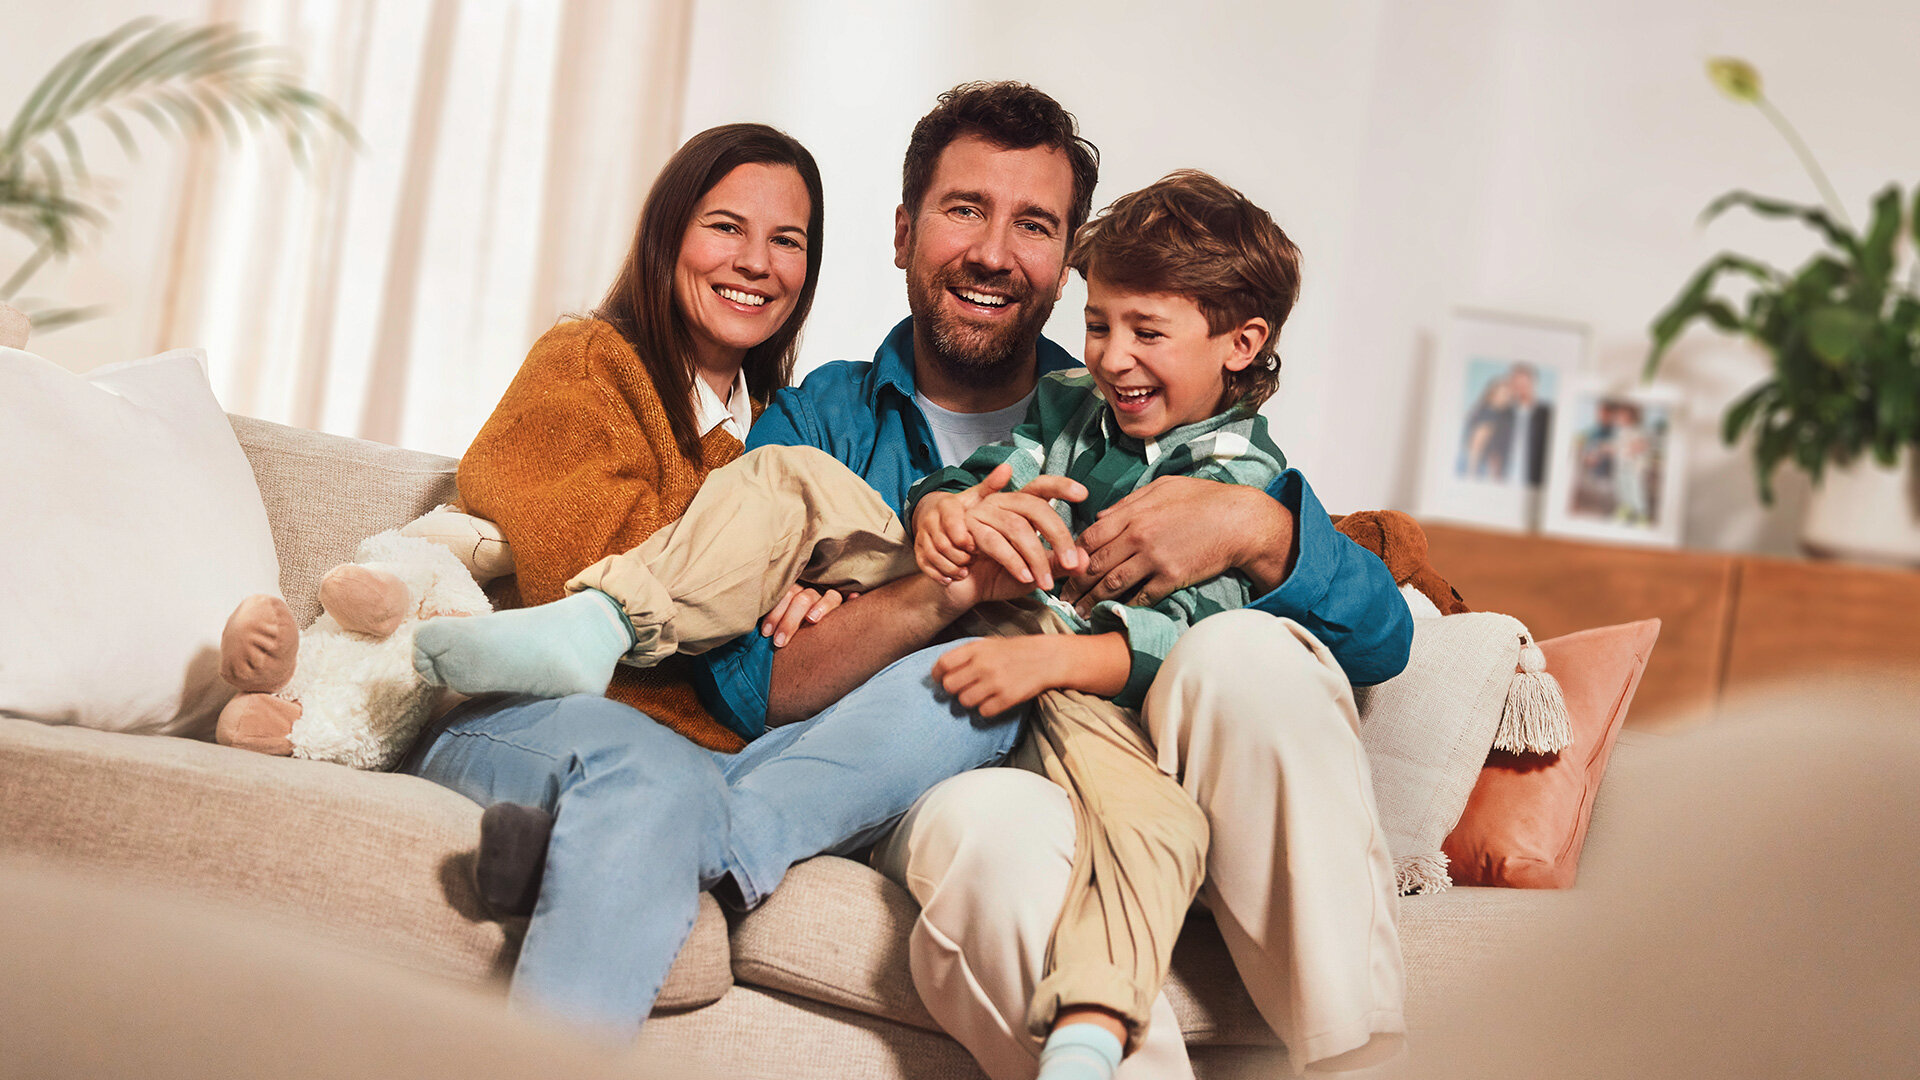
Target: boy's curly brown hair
1189,234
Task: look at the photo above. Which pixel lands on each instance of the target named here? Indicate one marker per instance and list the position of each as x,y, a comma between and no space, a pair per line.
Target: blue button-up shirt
863,413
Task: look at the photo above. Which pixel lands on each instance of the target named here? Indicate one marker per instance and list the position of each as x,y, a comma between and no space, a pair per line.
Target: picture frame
1497,382
1619,464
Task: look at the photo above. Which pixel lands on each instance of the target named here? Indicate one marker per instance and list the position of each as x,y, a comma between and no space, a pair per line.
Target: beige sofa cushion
326,493
378,861
835,932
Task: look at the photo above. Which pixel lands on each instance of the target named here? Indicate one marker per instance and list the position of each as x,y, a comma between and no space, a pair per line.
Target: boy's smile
1155,360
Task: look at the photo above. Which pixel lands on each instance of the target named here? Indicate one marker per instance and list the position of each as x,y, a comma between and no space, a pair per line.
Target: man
1532,417
996,181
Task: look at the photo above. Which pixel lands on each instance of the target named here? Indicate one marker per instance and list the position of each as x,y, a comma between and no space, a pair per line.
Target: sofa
814,983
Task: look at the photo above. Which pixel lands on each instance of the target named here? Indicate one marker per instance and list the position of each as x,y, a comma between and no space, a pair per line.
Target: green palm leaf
182,79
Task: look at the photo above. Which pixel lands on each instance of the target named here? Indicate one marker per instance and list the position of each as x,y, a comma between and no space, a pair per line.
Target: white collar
735,413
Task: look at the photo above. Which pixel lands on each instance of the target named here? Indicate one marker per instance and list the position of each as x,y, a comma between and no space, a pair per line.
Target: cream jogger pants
785,514
1257,721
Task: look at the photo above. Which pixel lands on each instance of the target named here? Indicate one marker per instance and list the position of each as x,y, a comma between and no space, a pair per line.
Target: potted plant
1843,399
179,79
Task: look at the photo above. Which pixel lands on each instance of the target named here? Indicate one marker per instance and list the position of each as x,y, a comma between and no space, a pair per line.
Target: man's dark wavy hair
1012,116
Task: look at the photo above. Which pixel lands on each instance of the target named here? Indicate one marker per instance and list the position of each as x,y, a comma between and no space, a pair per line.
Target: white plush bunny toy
345,690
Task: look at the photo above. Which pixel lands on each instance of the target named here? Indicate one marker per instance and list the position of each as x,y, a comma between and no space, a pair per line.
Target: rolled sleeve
1341,592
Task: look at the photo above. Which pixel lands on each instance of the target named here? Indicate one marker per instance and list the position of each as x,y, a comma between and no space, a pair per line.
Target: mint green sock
566,647
1080,1052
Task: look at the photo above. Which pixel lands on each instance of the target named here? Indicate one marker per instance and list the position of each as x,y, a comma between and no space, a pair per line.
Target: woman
603,437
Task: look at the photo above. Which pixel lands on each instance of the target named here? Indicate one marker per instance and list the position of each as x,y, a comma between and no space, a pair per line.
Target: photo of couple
1503,437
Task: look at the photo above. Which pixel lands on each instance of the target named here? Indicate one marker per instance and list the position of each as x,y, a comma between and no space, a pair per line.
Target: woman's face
743,262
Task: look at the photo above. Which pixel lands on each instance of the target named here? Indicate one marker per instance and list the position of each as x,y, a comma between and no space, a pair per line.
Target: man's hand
1179,531
993,675
802,606
1008,527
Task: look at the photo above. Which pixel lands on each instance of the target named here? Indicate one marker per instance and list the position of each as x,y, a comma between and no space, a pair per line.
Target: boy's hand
996,674
1006,526
993,675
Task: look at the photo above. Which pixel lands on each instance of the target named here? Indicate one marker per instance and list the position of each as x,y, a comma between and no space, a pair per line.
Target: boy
1188,283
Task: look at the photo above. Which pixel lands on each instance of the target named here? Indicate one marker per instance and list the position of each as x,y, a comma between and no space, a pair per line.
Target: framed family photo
1497,384
1618,464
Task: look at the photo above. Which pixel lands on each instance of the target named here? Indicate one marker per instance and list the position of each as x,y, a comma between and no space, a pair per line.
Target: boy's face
1155,361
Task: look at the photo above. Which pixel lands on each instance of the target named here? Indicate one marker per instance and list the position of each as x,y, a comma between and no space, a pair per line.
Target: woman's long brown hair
640,302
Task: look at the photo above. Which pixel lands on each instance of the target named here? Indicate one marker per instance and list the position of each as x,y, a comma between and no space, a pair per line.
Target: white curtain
389,291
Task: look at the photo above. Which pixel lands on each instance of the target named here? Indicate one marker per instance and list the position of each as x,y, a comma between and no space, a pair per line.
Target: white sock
1080,1052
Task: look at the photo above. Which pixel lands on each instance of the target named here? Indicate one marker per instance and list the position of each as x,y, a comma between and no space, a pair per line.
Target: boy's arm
996,674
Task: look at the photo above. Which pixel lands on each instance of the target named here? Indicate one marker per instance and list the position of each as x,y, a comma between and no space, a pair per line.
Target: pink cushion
1527,817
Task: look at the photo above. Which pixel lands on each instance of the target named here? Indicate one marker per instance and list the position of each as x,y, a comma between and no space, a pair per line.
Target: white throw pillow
1427,732
130,526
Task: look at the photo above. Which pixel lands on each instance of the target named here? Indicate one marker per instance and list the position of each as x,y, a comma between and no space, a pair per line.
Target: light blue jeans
645,819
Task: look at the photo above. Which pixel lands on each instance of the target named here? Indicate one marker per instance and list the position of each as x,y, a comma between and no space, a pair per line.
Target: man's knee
1245,674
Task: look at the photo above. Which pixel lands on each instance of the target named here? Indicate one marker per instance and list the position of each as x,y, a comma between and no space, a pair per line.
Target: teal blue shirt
863,413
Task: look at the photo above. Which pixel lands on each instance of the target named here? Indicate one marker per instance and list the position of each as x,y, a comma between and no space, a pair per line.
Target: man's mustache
1000,284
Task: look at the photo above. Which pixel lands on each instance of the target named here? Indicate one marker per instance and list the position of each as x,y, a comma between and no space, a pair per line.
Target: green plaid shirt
1069,431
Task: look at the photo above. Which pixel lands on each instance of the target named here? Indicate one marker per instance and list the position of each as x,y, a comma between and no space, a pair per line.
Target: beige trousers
785,514
1257,720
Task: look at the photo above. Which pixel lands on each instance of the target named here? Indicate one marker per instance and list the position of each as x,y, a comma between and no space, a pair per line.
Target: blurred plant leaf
1836,333
182,79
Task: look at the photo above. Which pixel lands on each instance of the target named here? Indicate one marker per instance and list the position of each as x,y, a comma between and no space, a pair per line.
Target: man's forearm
825,662
1271,545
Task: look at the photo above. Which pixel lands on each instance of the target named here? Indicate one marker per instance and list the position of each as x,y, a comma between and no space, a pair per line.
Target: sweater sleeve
564,465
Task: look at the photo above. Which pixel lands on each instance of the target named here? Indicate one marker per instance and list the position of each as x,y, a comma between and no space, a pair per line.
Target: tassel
1421,874
1535,718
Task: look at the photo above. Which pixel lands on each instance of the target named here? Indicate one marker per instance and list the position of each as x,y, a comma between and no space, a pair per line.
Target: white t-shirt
957,435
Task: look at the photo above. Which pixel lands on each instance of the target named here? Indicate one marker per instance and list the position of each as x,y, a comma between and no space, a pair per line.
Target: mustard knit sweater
577,463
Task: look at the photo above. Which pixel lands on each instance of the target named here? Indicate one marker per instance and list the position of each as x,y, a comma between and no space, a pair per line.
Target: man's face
1523,388
985,256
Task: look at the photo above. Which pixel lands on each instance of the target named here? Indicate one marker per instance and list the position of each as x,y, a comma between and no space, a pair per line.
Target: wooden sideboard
1730,624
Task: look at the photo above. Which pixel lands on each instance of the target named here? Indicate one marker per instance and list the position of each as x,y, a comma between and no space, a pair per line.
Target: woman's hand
1008,527
801,606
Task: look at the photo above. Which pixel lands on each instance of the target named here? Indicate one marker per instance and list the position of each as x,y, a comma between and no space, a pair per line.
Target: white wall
1539,158
1544,158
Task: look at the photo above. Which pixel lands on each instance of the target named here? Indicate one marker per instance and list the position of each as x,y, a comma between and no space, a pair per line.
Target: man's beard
981,357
